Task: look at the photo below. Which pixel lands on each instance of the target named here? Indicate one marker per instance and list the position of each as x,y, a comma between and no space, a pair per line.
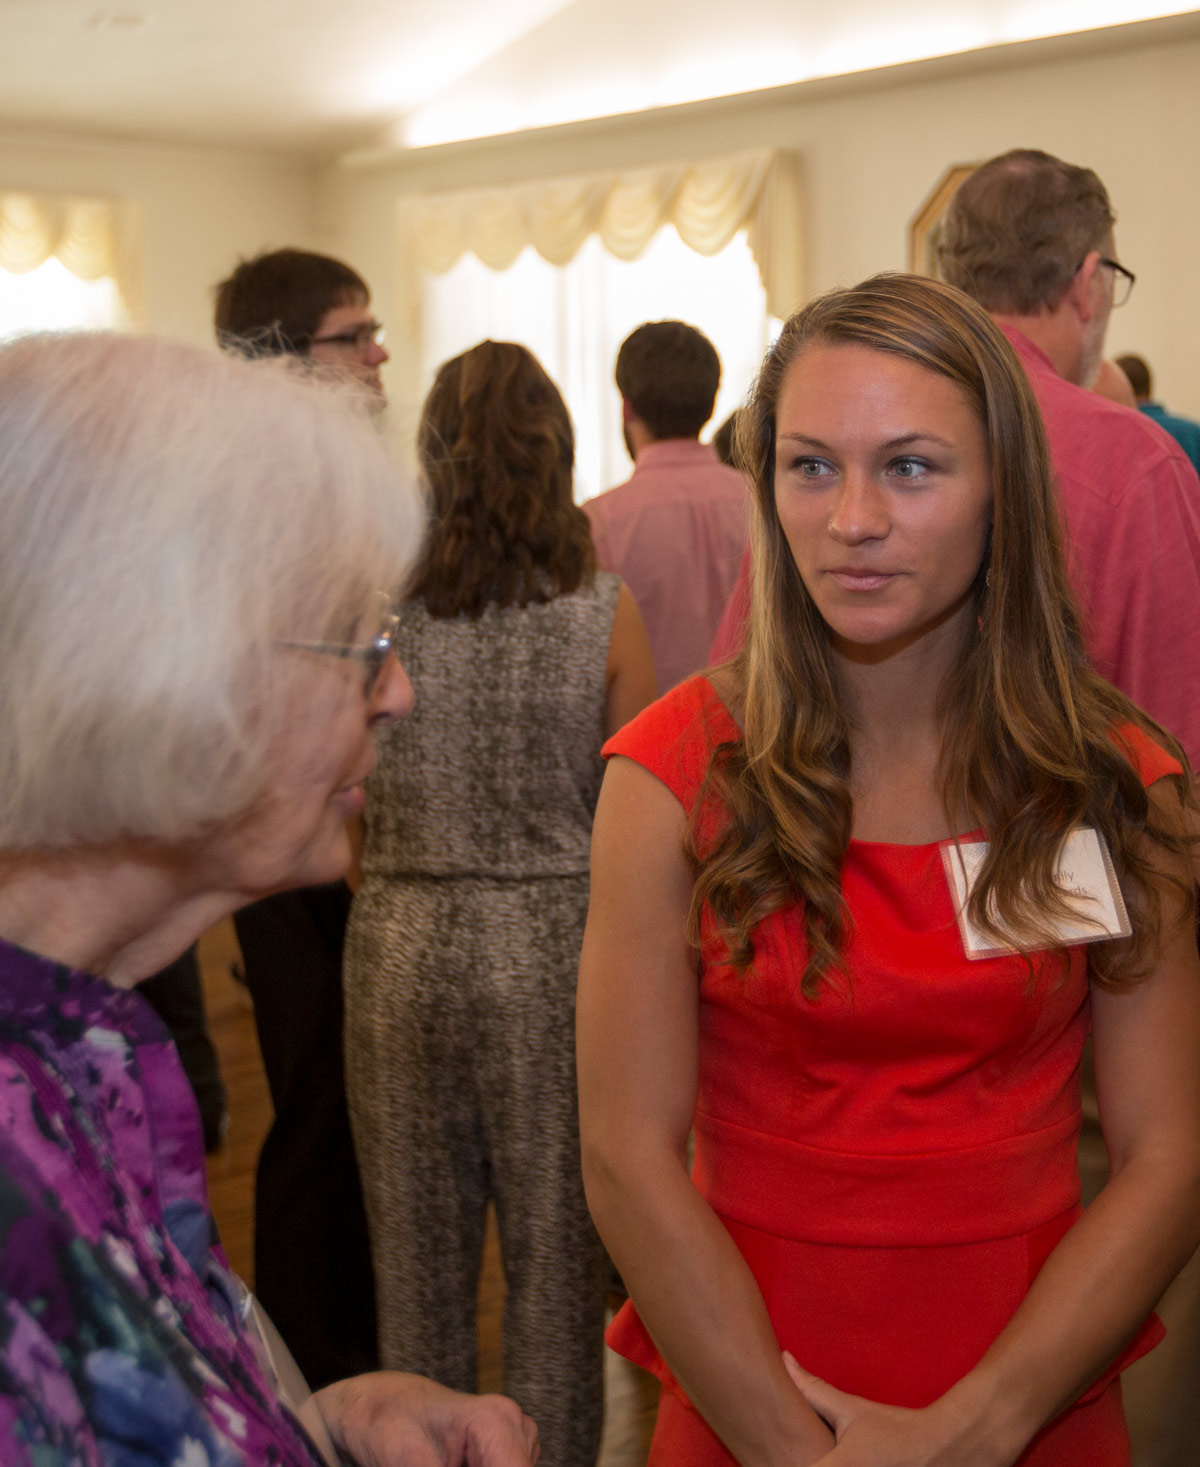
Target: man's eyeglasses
370,333
372,654
1123,280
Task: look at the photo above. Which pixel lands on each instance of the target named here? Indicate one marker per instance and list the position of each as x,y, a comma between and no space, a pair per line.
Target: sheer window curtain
570,266
65,263
575,317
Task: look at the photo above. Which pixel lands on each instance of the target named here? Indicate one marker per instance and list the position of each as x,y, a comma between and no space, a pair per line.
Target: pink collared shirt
1130,504
674,533
1131,519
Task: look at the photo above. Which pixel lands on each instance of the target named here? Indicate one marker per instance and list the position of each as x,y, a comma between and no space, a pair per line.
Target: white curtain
574,318
707,202
92,238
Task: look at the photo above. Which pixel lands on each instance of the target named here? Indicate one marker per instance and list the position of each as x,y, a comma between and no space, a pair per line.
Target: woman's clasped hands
870,1434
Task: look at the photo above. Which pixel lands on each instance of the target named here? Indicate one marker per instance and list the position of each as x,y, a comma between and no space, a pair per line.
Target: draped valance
91,237
708,202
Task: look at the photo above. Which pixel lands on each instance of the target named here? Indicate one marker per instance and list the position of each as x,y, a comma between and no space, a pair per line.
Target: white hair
169,516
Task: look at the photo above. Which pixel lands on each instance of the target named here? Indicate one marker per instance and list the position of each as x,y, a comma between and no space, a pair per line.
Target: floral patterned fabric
120,1337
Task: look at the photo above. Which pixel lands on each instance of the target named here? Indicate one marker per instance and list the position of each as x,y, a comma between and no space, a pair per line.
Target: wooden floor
1162,1392
631,1396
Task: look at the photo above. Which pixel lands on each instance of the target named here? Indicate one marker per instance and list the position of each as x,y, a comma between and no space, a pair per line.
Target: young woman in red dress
885,1090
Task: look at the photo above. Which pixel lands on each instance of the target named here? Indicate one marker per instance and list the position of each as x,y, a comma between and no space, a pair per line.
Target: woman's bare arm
637,1047
629,683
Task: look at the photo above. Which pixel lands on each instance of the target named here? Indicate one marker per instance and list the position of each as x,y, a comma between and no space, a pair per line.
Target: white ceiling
323,76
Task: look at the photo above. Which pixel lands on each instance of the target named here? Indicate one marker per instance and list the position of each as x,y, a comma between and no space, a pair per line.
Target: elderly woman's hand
388,1419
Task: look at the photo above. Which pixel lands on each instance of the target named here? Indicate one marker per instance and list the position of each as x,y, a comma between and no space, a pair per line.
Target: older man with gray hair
1031,238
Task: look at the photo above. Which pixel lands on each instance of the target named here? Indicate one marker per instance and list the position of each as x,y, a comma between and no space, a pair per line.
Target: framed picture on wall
925,227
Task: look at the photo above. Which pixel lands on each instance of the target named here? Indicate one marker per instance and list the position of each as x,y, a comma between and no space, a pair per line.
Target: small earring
987,580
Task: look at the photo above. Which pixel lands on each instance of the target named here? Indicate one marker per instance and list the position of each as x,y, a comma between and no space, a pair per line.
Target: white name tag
1085,875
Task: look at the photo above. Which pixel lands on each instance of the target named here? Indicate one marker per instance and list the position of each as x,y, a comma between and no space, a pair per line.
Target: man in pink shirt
1031,238
675,531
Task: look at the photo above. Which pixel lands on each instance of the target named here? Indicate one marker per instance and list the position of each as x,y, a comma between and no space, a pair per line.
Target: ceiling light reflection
499,99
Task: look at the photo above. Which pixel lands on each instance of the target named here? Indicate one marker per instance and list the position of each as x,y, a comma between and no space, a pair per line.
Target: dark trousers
312,1259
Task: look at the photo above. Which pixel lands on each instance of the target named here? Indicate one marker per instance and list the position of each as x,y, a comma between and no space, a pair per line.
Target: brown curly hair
497,454
1027,740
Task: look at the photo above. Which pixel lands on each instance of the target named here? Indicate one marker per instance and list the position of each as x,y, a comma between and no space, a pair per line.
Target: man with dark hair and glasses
312,1257
306,305
1031,238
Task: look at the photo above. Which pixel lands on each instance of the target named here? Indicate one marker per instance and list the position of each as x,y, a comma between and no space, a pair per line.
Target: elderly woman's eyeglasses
370,333
373,654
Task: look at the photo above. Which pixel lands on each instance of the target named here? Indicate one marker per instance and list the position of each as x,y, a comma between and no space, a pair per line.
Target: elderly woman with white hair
193,654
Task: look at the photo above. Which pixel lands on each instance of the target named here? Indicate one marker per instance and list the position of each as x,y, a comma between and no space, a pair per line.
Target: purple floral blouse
120,1340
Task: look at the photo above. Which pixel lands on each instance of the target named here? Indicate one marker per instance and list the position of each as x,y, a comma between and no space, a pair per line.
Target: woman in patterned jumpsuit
464,937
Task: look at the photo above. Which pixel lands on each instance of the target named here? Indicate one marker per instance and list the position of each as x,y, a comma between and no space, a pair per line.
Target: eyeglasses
1123,280
370,333
373,654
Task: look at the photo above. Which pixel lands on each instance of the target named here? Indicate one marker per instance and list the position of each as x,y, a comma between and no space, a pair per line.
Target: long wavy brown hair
1027,749
497,454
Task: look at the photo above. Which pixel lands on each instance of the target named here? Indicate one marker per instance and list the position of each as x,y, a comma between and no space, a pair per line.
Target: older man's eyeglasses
1123,280
370,333
373,654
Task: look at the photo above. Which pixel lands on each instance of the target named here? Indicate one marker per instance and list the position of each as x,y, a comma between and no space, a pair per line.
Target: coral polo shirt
1131,519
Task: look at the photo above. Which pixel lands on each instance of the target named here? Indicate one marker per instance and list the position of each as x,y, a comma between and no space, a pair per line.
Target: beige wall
198,210
871,149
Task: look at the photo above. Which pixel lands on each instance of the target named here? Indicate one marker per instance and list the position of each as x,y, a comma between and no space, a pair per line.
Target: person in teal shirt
1184,431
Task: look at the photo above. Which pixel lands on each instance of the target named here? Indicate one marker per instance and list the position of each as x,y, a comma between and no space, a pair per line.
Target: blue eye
909,468
811,468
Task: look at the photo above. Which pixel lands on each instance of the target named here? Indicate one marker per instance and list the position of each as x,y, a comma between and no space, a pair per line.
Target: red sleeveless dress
895,1159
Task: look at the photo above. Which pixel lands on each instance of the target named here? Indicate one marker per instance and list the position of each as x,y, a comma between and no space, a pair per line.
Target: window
50,298
574,319
66,262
